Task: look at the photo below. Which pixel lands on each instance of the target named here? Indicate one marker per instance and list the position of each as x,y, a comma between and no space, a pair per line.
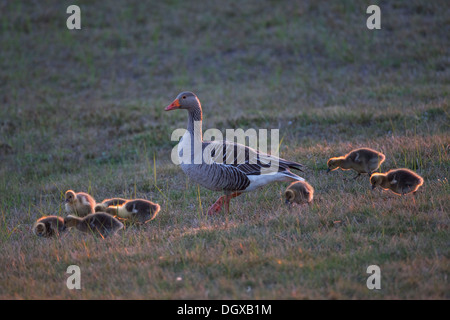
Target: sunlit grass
85,111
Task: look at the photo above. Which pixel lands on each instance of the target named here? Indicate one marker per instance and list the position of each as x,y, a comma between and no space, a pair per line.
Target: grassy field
84,110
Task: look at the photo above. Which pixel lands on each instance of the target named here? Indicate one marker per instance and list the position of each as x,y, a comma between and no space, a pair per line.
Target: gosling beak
174,105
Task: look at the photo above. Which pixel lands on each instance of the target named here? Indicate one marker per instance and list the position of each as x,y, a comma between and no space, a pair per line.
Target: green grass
83,110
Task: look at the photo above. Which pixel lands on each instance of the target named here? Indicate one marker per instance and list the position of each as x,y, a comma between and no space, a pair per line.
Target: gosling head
376,179
289,195
40,229
71,221
299,192
333,164
70,196
100,207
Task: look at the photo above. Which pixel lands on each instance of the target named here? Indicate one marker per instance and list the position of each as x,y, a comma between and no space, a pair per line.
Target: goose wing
232,166
246,159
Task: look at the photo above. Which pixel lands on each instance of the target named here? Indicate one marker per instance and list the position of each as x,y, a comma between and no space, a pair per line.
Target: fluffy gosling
101,207
99,223
299,192
137,210
49,226
80,204
399,181
363,160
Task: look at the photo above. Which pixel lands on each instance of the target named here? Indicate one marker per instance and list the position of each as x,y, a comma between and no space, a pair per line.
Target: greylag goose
221,165
49,226
136,210
99,223
399,181
101,207
299,192
363,160
80,204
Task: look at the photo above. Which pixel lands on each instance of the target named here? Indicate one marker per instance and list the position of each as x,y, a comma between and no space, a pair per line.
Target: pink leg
216,207
223,200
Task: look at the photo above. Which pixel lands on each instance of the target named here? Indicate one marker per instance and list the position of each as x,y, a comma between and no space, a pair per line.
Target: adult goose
221,165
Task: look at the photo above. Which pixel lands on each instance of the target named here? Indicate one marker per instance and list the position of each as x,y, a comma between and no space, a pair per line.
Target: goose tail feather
293,176
294,165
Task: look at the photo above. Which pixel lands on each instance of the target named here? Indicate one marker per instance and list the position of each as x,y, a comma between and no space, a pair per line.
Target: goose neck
195,123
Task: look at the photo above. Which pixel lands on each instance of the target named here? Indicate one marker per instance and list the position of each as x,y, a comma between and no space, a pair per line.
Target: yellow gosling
49,226
399,181
99,223
80,204
299,192
137,210
363,160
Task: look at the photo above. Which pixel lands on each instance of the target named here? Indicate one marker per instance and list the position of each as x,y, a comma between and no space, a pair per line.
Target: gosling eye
183,97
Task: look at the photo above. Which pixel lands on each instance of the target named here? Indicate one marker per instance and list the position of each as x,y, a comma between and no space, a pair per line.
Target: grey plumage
218,170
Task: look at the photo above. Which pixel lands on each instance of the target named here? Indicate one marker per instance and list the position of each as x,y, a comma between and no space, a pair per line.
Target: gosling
137,210
101,207
299,192
99,223
363,160
399,181
49,226
80,204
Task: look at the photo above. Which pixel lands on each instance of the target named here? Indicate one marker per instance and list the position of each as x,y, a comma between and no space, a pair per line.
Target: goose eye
183,97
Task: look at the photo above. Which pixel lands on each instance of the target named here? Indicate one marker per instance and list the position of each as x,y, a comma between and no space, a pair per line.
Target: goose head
185,100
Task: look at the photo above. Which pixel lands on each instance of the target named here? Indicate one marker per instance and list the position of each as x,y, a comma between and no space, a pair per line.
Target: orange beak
174,105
